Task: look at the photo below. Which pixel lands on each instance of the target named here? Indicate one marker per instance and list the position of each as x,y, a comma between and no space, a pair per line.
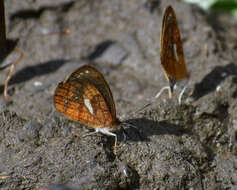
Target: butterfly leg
181,94
89,134
161,91
115,144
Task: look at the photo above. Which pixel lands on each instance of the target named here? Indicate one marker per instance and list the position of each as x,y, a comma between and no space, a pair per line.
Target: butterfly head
177,84
114,125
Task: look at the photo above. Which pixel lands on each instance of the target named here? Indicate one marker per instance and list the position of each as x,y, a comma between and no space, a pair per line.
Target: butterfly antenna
142,108
128,115
134,127
130,125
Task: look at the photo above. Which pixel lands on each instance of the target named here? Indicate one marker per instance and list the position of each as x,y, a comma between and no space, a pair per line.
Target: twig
13,65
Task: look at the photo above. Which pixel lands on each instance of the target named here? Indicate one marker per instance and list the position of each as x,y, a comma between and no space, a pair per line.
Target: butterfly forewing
92,76
171,50
85,97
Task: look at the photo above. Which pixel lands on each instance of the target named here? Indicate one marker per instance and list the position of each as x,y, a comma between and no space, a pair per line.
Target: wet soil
187,146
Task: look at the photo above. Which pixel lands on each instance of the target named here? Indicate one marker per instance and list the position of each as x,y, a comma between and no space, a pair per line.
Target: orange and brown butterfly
85,97
171,54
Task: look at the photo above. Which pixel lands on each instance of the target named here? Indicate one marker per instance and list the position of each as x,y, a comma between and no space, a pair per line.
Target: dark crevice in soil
30,72
213,79
100,49
35,14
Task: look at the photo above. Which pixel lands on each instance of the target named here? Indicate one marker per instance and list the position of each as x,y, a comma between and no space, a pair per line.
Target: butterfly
85,97
171,55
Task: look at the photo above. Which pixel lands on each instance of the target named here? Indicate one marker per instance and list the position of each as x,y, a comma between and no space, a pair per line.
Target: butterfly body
85,97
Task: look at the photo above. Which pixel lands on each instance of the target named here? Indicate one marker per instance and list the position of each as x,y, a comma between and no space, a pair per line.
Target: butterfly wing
86,97
94,77
171,50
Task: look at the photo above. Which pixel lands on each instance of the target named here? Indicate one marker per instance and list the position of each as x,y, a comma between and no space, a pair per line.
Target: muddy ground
188,146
